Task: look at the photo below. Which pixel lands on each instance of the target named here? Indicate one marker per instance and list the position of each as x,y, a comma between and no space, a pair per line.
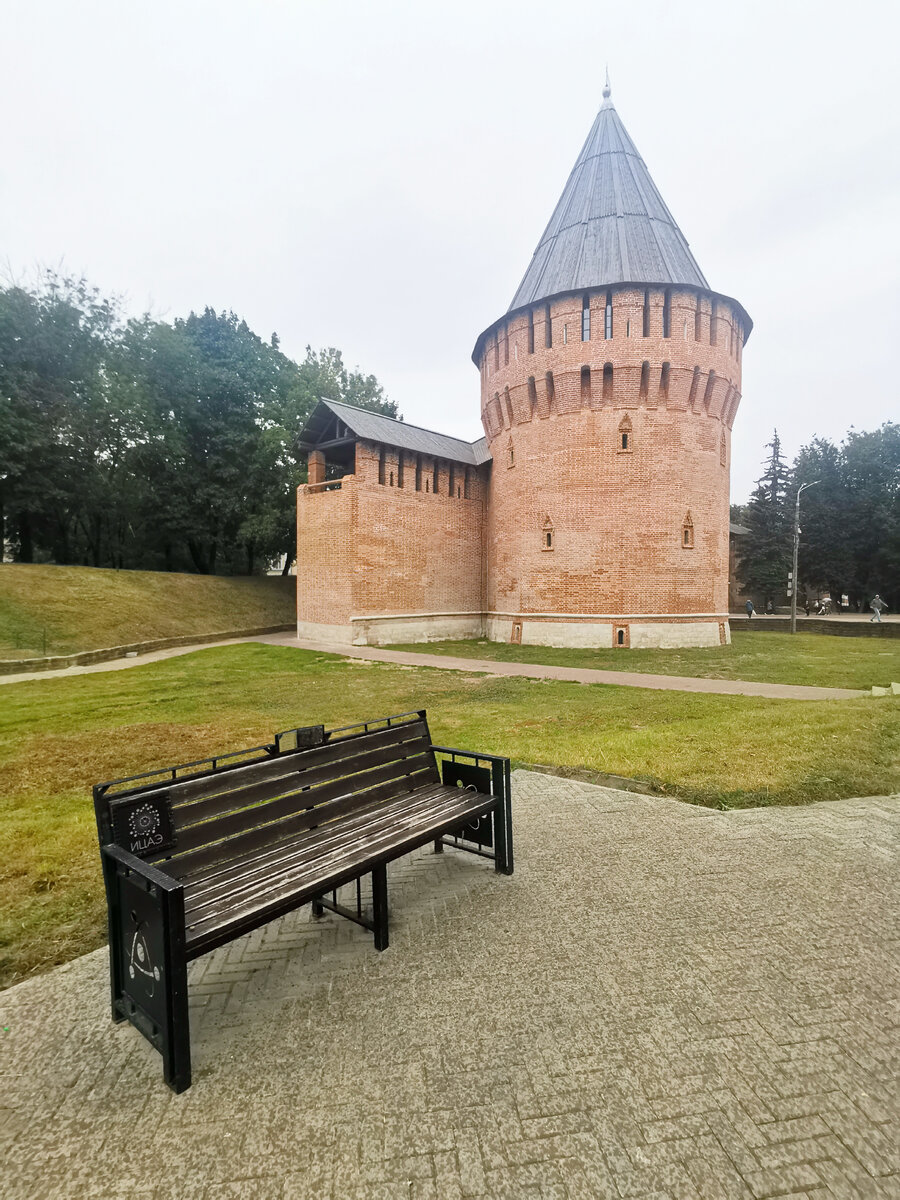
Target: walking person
876,605
749,608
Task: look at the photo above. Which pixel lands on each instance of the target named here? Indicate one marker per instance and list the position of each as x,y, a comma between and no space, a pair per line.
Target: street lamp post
796,553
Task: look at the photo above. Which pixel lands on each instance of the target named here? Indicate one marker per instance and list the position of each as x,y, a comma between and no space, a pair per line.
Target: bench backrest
197,820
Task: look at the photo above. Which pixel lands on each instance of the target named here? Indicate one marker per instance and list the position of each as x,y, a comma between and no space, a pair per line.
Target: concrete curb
18,666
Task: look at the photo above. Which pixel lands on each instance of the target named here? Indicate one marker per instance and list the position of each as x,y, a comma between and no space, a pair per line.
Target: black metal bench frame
149,949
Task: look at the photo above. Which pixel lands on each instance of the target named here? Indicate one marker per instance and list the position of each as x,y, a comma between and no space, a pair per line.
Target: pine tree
766,549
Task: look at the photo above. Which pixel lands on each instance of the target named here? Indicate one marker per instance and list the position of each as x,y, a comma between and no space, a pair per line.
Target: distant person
806,605
749,608
876,606
770,608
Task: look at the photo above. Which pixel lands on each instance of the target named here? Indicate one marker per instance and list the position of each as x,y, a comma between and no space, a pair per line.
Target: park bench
199,854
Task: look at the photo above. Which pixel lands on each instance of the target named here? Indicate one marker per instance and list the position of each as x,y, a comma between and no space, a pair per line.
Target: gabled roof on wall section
375,427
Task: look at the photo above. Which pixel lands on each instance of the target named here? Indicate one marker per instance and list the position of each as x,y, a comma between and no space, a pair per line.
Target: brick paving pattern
664,1001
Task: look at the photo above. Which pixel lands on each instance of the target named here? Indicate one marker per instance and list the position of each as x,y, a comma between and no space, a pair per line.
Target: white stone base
416,627
313,631
640,633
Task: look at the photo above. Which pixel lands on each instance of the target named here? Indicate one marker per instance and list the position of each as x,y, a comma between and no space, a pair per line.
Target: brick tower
608,393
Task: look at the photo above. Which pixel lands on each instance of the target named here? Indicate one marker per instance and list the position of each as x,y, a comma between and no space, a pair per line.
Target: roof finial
606,88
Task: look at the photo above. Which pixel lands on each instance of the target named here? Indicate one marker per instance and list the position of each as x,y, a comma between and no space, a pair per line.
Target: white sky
375,176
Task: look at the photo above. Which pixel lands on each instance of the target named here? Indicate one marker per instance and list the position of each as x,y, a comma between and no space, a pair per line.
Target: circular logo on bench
143,821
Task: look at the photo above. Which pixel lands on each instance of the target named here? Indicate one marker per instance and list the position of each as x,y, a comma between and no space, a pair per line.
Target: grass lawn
818,660
68,609
59,736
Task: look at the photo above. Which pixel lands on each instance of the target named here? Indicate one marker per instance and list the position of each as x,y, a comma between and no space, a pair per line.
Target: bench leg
439,845
380,906
503,849
318,909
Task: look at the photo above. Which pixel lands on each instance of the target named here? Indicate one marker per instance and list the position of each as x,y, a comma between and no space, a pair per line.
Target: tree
766,549
826,553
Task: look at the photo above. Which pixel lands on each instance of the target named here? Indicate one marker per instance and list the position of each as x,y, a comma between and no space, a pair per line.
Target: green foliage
766,549
143,444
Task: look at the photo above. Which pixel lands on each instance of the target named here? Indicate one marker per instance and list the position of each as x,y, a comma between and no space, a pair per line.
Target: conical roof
610,225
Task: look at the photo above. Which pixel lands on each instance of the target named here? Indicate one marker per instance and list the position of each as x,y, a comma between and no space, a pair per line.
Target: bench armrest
492,758
148,871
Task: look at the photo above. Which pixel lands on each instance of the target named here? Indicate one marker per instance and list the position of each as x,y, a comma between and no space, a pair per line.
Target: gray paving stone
662,1001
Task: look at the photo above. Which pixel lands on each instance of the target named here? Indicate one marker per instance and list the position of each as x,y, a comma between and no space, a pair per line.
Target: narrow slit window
551,390
532,395
687,533
435,477
585,385
418,473
547,535
645,379
628,328
713,323
506,346
400,469
510,455
707,395
497,352
565,335
608,317
467,484
450,480
646,322
698,322
548,329
664,381
695,383
381,466
723,450
626,443
531,331
667,313
607,382
509,408
392,478
685,329
586,319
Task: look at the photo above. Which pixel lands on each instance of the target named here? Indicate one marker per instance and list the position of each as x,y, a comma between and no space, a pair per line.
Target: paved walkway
666,683
663,1001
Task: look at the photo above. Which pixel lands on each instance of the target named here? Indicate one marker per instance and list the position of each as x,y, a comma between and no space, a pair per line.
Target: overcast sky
375,175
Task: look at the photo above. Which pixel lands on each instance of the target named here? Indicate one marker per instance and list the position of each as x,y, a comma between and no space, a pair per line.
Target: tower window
695,383
685,328
510,454
687,533
435,477
664,381
400,469
565,335
392,478
645,379
531,331
628,328
381,465
508,404
418,473
626,442
586,319
713,323
646,329
497,352
707,395
607,382
467,484
667,313
532,395
547,535
506,346
698,322
548,329
585,385
551,390
723,450
450,480
608,317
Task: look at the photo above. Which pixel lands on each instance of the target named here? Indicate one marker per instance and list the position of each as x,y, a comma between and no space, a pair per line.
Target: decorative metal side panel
478,829
142,951
142,824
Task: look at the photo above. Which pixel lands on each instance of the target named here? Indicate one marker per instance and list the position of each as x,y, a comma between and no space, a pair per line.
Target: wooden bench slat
234,824
255,872
316,875
182,865
306,776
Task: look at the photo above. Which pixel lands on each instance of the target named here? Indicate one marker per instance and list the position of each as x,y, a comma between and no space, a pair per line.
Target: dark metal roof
611,225
375,427
738,530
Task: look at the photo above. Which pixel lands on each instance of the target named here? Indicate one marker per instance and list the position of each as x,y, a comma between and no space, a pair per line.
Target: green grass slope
63,610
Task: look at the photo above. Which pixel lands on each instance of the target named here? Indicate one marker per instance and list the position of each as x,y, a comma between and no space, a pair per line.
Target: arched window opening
585,385
646,314
645,379
551,391
498,411
508,406
628,328
626,440
381,466
607,382
695,383
532,395
586,318
707,395
667,313
531,331
687,533
698,322
608,317
392,478
664,381
547,535
427,486
510,454
713,322
548,329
